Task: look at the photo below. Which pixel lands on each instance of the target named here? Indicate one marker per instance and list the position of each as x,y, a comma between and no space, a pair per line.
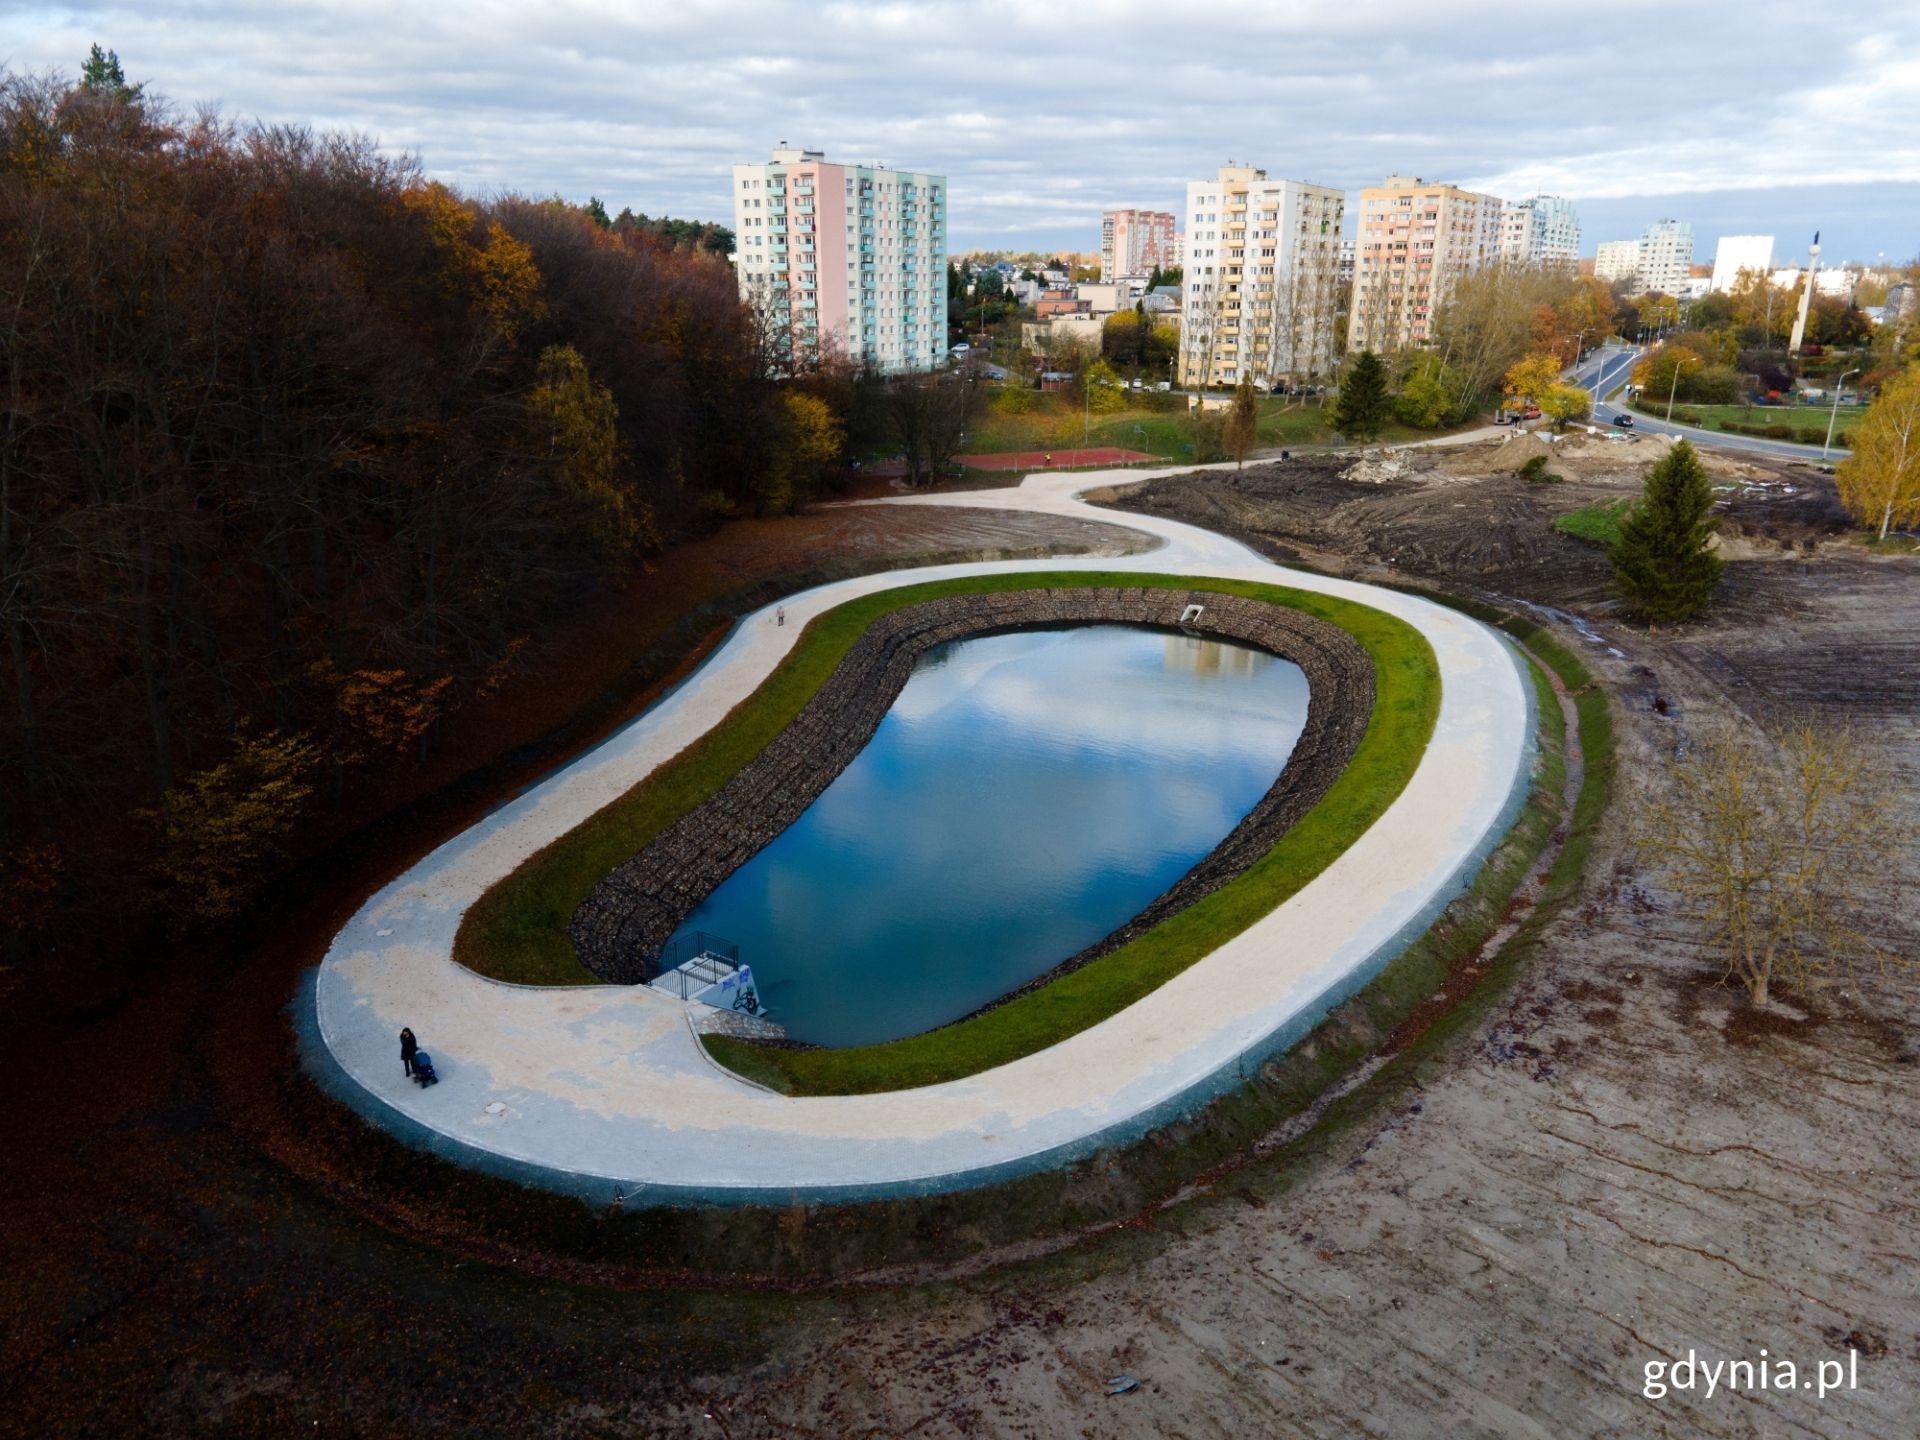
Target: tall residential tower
1416,239
1543,230
1666,257
846,259
1135,242
1259,296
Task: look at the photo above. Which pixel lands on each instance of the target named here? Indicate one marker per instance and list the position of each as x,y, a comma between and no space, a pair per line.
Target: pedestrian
409,1047
780,615
1049,457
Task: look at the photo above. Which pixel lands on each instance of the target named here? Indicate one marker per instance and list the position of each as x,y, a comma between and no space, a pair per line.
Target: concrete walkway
604,1091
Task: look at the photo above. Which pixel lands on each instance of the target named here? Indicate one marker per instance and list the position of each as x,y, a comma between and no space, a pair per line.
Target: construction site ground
1618,1161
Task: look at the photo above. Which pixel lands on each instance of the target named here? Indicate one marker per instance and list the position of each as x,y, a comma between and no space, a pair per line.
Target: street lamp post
1679,364
1834,418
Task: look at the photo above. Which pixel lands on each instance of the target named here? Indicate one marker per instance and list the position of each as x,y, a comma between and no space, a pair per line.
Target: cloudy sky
1749,118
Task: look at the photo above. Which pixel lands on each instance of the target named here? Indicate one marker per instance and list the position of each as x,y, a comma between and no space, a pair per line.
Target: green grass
1599,524
1057,423
1799,417
517,930
1406,703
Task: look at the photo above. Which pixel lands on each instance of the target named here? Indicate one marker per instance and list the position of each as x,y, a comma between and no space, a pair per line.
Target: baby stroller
423,1075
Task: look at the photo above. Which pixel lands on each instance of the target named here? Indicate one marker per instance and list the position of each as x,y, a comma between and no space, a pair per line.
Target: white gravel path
603,1089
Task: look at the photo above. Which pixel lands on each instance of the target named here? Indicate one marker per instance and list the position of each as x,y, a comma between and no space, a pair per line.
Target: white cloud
1038,123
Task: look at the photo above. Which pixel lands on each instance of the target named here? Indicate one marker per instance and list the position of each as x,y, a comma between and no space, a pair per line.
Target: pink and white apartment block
844,259
1135,242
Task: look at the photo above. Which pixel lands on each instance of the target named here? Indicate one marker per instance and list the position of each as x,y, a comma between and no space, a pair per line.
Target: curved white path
603,1090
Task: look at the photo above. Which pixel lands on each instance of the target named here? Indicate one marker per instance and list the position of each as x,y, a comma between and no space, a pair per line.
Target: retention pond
1026,795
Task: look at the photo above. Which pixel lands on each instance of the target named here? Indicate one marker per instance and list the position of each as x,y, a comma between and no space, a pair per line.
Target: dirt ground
1619,1163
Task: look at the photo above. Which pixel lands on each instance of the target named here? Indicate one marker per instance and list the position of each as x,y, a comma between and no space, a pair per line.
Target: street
1610,367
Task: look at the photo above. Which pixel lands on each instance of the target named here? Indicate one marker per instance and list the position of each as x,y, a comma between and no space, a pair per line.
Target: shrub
1206,433
1016,400
1715,385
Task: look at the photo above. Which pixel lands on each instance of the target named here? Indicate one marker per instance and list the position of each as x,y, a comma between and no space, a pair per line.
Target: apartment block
1415,240
1736,254
1260,293
1542,230
1135,242
844,259
1666,257
1617,260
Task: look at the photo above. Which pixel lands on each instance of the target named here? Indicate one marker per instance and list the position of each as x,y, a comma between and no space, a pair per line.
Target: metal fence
694,960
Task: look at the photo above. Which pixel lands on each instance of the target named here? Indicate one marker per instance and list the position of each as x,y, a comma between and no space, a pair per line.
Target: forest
299,449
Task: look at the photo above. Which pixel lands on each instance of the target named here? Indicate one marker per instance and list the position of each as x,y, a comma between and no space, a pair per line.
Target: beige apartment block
1260,293
1416,239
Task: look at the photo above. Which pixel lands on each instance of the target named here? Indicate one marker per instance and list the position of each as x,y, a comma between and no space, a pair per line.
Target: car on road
1532,412
1625,422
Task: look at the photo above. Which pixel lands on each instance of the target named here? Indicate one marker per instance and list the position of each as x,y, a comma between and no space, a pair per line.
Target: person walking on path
409,1047
779,614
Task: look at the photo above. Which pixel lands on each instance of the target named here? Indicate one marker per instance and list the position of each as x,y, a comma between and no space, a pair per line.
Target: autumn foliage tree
1778,840
1879,481
297,443
1242,430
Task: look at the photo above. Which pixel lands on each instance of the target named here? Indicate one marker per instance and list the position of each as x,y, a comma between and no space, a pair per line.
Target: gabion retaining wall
626,921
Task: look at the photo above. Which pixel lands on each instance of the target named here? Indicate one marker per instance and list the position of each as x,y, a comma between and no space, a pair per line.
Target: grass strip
1406,704
1597,524
517,930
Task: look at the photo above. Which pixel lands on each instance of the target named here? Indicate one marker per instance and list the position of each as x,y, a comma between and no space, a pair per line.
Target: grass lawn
1154,423
1599,524
1796,417
517,930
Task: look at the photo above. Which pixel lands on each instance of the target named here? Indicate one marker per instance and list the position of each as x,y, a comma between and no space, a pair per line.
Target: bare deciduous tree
1777,839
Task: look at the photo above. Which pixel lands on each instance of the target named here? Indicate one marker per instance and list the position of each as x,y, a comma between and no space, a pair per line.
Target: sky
1757,118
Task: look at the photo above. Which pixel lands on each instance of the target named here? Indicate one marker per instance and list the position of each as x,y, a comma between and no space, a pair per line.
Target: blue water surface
1026,795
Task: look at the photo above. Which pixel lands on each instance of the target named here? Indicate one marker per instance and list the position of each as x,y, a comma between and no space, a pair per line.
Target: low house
1048,336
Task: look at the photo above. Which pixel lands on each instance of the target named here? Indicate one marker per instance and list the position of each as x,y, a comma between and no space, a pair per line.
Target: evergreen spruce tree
102,75
1360,409
1663,567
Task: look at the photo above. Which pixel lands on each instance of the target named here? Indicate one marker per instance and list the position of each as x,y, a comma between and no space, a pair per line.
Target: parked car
1164,385
1532,412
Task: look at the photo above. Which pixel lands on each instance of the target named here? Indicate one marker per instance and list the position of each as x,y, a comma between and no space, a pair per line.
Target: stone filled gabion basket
625,923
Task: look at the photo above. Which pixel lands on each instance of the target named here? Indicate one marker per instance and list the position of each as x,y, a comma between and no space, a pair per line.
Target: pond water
1027,794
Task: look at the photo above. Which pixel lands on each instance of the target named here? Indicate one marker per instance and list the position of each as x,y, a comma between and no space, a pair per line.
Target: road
1608,368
